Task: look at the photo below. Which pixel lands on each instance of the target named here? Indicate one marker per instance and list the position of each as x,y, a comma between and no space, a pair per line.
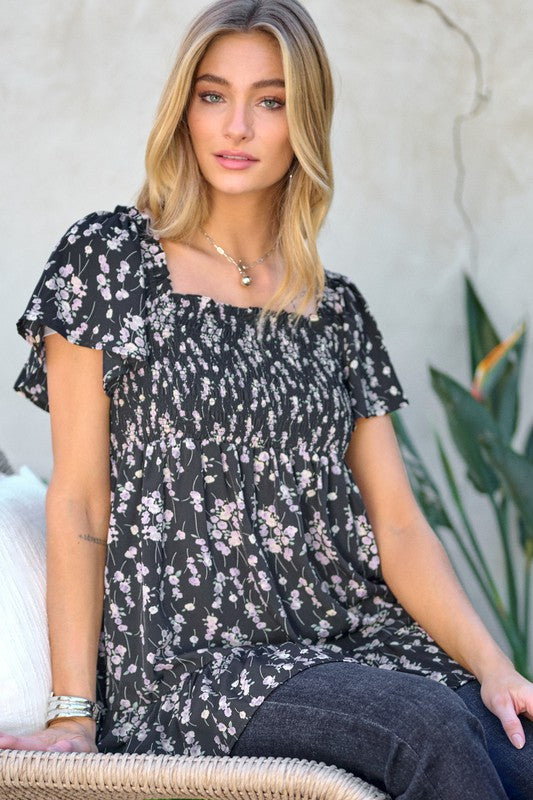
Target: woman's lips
234,163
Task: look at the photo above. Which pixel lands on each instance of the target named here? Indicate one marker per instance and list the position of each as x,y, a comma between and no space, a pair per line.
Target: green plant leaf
516,473
528,450
467,420
482,336
525,540
499,384
481,573
424,488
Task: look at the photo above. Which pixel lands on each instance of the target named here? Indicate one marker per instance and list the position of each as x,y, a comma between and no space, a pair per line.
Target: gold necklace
241,266
246,279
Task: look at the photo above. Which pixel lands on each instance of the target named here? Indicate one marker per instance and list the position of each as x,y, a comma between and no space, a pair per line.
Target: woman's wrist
72,707
490,662
74,723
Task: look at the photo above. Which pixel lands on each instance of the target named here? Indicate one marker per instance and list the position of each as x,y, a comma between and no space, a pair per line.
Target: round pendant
246,280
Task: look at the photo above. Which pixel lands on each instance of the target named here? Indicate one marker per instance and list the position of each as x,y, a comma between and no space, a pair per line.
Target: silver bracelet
65,705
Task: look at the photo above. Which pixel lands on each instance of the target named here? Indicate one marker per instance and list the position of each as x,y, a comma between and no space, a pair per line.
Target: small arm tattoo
92,539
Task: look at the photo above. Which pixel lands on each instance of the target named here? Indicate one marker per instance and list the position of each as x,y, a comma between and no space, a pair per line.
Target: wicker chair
32,775
26,775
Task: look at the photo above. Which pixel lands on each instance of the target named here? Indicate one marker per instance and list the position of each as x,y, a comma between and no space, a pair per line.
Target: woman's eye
273,102
279,103
205,95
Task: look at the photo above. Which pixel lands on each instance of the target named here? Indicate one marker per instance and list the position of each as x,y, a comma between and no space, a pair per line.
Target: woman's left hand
507,693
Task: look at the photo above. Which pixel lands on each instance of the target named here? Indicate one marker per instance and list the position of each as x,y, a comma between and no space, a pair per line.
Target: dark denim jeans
409,735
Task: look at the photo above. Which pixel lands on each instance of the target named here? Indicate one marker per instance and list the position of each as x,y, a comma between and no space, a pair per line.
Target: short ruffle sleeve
373,385
92,292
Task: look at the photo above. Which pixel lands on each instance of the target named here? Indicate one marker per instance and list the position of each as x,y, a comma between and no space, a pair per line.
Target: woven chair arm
30,775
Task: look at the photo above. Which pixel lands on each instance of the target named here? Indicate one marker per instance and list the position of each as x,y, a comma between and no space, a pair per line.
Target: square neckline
205,299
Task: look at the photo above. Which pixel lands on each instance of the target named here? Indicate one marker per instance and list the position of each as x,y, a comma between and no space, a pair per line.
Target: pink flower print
197,500
295,602
104,265
141,570
235,539
134,322
305,479
212,624
374,562
256,701
124,269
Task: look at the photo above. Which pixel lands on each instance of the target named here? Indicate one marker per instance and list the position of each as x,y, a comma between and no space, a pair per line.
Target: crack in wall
480,98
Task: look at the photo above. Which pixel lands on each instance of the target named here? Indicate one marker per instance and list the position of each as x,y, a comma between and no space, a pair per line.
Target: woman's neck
241,224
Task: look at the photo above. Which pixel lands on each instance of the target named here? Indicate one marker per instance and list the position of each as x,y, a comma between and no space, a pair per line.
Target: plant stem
527,600
500,509
454,489
500,612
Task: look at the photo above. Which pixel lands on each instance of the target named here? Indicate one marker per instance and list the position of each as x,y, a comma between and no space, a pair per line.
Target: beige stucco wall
433,167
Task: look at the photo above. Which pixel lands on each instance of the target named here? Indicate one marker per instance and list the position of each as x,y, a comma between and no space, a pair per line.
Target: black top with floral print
239,550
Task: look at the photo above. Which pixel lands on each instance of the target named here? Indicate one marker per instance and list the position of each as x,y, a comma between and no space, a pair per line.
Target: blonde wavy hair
175,193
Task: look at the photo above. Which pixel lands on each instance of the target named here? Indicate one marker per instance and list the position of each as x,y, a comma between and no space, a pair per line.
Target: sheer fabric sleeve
373,386
92,292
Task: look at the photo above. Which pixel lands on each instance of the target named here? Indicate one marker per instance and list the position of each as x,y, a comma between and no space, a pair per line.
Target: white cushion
25,673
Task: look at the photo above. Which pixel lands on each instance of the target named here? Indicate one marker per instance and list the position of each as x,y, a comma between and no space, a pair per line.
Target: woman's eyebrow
208,76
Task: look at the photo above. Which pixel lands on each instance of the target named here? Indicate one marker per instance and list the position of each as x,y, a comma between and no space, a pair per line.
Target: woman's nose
239,122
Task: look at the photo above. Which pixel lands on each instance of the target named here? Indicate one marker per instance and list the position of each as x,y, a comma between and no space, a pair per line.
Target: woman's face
229,114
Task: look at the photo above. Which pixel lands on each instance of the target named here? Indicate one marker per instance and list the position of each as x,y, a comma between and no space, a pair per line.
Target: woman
228,506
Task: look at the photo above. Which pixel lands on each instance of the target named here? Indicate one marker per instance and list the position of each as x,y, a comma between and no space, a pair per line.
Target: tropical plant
482,421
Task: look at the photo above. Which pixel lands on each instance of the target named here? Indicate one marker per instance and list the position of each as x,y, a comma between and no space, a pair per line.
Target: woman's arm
77,512
77,519
417,570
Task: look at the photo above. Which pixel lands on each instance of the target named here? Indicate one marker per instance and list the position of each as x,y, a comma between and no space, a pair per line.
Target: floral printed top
239,550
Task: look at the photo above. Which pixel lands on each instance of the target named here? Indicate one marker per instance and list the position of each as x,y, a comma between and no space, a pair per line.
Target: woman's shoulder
92,292
99,255
344,294
374,388
113,229
351,307
92,286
